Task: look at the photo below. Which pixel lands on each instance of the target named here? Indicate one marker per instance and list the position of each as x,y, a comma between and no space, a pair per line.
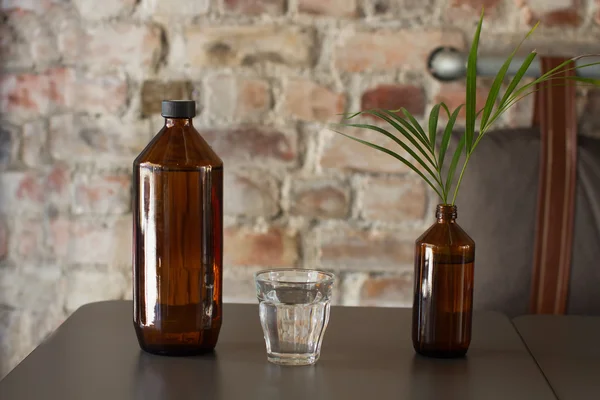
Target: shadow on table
225,376
160,377
433,378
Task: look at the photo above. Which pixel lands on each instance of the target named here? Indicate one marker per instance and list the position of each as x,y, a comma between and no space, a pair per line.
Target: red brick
58,179
251,193
3,239
556,13
455,94
107,139
253,96
249,45
21,190
31,190
253,144
310,101
389,51
101,241
393,97
28,95
333,8
23,96
101,194
33,143
341,153
395,199
177,8
246,247
89,9
136,47
60,86
387,291
320,198
236,97
362,250
255,7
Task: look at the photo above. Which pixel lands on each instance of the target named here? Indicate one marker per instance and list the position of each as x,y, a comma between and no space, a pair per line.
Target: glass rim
329,277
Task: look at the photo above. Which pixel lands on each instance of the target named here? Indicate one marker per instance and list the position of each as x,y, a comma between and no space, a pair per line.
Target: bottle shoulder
446,234
178,148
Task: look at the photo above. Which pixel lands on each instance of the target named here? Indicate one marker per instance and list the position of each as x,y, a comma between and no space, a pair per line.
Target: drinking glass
294,312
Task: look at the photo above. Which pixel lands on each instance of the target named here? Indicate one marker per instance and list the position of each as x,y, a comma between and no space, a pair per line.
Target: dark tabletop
567,349
367,353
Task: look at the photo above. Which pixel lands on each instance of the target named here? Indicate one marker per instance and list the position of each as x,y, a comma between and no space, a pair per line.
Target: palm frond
428,154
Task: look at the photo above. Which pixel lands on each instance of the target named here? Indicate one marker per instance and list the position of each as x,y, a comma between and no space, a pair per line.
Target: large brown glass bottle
178,235
443,293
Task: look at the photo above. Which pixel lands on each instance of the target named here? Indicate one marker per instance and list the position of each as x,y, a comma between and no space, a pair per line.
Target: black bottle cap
178,109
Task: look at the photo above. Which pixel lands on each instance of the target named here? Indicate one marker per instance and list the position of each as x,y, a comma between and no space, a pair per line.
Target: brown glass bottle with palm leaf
443,293
178,230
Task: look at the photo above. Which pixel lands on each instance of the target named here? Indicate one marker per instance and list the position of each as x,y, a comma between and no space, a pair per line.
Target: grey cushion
497,207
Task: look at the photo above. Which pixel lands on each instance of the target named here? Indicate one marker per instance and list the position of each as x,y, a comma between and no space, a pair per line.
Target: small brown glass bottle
177,238
443,293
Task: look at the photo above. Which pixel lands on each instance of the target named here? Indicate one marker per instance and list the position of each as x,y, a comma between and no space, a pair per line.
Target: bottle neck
445,213
177,122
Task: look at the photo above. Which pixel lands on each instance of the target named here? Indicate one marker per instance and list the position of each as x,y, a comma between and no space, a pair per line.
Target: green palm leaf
393,115
472,88
407,135
403,145
433,123
454,163
414,122
447,134
495,89
395,155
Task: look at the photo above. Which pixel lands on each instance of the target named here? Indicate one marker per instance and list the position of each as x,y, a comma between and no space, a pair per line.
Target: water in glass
294,312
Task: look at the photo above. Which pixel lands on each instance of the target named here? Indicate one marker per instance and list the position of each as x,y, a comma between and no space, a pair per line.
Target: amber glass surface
178,234
443,293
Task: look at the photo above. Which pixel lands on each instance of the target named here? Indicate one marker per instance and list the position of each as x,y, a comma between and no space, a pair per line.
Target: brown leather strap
555,110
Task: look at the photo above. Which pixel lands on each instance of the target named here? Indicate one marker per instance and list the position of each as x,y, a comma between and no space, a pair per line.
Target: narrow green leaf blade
518,77
414,122
403,145
455,159
393,115
445,107
495,89
472,88
407,135
447,135
433,124
395,155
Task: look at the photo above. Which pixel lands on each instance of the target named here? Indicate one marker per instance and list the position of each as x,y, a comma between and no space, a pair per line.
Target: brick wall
80,89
